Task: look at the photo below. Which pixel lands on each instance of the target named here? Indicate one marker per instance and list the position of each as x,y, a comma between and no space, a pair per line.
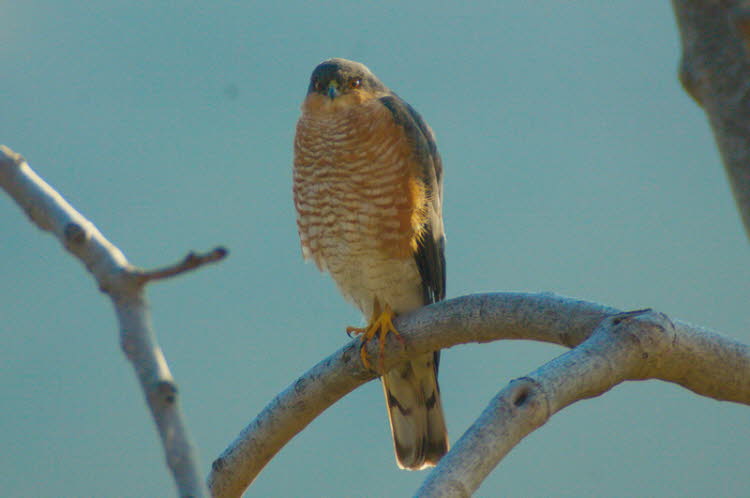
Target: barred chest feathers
359,210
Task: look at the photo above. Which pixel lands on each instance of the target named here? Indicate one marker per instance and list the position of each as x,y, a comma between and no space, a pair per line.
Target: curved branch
711,365
715,71
628,346
124,284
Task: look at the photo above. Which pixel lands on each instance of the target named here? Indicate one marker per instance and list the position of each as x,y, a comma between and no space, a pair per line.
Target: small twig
191,262
630,314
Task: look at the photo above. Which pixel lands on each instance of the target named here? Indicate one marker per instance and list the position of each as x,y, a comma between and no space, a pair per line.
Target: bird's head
337,83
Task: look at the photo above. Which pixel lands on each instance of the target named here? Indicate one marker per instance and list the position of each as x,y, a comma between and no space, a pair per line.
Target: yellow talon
381,325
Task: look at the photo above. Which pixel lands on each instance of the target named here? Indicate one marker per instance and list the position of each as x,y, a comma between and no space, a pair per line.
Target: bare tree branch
702,361
609,347
715,71
624,347
124,284
192,261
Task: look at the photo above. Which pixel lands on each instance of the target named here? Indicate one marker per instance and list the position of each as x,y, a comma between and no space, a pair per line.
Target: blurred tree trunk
715,71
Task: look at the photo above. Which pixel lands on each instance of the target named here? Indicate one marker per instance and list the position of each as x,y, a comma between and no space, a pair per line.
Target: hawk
368,194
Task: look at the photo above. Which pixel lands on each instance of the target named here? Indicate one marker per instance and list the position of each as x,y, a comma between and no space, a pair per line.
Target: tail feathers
415,411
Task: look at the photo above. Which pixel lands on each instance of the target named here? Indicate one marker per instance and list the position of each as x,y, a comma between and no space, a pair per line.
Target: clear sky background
574,164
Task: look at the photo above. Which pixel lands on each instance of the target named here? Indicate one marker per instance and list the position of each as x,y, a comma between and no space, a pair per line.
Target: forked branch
124,283
702,361
608,347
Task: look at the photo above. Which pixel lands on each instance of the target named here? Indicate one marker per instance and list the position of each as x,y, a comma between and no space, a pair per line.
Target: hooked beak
333,90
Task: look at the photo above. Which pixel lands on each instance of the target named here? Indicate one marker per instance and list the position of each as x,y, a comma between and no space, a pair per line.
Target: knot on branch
74,235
526,394
164,392
652,334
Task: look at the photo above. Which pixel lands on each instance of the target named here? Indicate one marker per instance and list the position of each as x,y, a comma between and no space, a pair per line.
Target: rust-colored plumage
368,193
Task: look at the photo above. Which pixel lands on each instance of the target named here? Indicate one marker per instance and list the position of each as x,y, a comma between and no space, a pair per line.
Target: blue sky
574,164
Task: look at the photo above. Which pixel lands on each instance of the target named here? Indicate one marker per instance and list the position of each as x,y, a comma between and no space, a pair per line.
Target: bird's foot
380,326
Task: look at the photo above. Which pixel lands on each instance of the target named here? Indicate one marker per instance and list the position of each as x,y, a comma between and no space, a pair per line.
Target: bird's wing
430,254
411,389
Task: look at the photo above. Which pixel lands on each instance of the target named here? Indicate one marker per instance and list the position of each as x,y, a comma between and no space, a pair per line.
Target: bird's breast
359,201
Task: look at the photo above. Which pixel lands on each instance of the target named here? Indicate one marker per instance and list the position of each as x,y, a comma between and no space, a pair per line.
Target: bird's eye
317,86
355,83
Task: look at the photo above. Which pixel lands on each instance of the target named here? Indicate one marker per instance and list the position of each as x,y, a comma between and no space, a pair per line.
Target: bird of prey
368,194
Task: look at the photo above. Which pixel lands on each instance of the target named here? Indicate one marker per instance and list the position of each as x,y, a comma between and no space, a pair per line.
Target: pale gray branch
192,261
124,284
702,361
627,346
715,71
624,347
